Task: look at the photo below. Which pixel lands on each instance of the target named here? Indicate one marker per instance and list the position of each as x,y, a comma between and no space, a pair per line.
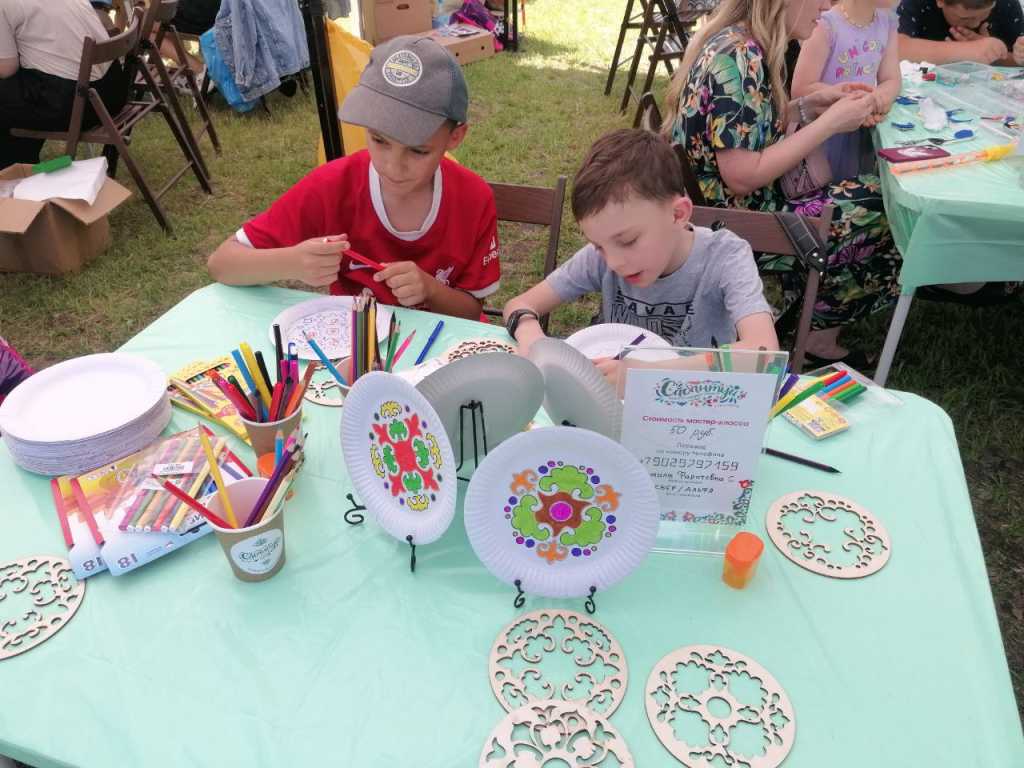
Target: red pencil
401,349
86,511
172,488
62,512
275,402
364,260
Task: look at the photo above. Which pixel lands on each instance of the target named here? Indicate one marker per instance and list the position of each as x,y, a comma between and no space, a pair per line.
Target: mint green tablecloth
346,659
954,225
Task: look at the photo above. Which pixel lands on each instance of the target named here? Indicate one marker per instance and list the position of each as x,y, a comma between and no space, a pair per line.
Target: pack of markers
120,516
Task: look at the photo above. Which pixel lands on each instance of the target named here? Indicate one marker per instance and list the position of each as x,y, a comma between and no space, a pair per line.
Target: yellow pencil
254,370
198,483
222,492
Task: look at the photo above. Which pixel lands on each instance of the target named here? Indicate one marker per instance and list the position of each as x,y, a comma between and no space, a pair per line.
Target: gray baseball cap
409,88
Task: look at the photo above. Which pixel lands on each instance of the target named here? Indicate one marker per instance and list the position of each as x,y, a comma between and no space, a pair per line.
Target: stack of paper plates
85,412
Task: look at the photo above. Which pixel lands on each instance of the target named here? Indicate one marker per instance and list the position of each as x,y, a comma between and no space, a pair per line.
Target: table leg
892,338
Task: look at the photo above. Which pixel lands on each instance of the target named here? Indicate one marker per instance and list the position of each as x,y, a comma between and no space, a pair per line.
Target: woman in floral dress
729,107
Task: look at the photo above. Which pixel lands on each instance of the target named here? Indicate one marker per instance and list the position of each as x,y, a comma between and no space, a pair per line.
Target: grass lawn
533,114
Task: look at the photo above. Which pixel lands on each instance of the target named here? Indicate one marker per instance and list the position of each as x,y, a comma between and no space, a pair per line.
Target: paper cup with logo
257,552
262,434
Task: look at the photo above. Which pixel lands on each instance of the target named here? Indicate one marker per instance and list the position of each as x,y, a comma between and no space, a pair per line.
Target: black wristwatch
512,324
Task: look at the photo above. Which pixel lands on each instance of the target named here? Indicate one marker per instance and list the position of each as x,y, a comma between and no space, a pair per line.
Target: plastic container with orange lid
741,557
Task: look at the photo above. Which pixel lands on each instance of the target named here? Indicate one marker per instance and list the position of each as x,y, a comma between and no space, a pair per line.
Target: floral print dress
727,104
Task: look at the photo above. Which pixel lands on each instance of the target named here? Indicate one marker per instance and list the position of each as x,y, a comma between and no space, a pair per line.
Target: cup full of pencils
255,549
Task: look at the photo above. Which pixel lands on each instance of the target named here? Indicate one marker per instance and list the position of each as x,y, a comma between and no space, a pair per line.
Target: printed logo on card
699,392
402,68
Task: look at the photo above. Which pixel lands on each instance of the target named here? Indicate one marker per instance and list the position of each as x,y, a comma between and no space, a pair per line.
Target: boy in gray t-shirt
654,270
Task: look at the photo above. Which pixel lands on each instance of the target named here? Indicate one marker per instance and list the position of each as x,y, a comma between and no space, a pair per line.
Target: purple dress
855,54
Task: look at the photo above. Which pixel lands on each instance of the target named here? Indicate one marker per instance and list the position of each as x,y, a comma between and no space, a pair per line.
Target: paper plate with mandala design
828,534
38,597
562,509
509,387
470,347
711,706
575,392
328,321
562,655
399,457
555,733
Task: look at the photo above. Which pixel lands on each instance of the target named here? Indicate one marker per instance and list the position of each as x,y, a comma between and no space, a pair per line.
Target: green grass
533,115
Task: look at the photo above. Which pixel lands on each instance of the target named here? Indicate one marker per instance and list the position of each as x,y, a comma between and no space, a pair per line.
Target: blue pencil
835,384
325,360
430,341
244,370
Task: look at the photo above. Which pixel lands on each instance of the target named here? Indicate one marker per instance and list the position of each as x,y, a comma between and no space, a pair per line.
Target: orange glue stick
741,556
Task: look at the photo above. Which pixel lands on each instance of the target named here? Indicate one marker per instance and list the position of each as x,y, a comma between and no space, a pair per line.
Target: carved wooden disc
38,596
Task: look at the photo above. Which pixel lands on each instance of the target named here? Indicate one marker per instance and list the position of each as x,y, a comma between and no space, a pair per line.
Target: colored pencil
242,369
430,342
639,339
371,336
788,385
275,401
221,488
195,490
325,361
392,334
835,384
293,361
205,512
86,511
62,512
278,447
191,453
800,460
364,260
142,498
401,349
279,495
278,347
851,393
269,489
718,358
263,370
241,403
843,386
352,345
794,398
300,392
250,359
727,357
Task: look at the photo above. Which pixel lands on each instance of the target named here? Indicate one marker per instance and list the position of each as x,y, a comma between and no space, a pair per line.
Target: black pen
800,460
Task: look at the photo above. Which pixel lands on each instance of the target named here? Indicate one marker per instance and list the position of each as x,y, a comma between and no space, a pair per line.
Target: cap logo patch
402,68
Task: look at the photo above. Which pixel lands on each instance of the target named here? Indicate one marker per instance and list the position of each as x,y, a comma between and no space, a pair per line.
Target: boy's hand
964,34
320,259
410,284
988,49
1018,50
613,372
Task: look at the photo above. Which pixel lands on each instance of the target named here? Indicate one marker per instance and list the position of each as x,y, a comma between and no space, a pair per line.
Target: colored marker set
262,399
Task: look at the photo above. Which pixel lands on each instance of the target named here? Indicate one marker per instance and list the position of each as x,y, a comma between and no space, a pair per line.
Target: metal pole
323,77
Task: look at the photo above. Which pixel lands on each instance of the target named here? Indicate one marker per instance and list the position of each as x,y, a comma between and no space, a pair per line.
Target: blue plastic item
218,70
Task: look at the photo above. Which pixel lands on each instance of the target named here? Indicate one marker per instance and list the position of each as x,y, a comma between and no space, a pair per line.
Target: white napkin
82,180
932,115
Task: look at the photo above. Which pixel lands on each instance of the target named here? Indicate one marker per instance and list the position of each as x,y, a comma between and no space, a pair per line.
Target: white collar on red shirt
382,214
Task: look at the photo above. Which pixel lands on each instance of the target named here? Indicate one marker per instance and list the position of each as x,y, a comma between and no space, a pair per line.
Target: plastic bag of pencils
144,505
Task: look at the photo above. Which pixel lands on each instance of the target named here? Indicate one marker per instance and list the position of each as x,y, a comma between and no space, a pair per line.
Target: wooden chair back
533,205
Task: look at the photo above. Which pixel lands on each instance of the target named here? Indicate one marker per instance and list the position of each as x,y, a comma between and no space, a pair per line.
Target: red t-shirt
459,247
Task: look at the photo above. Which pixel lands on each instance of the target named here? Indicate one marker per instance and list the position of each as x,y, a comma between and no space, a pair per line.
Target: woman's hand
849,113
818,102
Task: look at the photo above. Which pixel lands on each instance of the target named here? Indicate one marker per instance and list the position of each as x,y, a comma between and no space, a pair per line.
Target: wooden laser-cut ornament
54,594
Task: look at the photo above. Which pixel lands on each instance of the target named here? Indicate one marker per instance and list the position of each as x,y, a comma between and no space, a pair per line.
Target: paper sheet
82,180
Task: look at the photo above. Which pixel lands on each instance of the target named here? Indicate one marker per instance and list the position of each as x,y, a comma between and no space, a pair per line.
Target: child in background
653,268
431,222
855,42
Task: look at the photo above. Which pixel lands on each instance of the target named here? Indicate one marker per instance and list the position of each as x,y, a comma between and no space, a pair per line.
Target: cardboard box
57,235
384,19
466,50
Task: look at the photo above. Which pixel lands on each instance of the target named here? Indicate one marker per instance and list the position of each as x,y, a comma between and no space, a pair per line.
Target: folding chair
165,30
114,132
665,30
766,234
533,205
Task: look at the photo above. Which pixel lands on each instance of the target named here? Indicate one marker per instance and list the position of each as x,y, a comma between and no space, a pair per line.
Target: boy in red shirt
431,222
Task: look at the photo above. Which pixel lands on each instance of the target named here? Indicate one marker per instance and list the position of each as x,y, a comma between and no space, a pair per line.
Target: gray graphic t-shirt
716,287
